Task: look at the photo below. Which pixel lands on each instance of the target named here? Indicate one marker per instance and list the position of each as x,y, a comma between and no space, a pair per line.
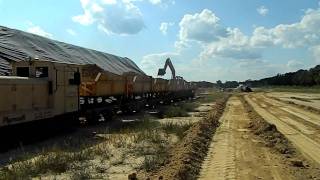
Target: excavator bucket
161,72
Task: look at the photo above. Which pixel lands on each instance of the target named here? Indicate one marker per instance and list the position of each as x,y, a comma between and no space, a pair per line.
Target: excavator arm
162,71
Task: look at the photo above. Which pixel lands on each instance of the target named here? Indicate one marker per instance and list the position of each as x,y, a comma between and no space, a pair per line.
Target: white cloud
201,27
155,2
218,41
84,19
236,46
303,33
109,1
316,53
261,37
38,30
263,11
71,32
114,17
164,27
294,65
162,3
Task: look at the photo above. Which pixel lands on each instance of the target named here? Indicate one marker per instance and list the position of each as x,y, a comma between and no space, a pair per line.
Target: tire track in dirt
308,123
221,162
235,153
298,112
306,143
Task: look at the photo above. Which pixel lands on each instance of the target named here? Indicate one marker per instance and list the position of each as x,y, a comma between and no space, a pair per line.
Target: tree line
301,77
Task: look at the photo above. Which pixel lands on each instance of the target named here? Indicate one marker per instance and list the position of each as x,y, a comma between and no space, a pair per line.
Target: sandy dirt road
305,99
235,153
300,126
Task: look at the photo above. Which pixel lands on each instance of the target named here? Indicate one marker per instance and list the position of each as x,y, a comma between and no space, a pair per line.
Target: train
46,79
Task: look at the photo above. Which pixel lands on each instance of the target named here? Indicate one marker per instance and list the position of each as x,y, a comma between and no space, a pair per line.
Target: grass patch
212,96
54,162
152,163
175,111
80,175
156,156
133,127
177,129
181,110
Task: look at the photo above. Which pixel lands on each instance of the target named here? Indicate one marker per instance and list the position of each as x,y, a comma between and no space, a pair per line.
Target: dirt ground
235,153
304,99
238,153
300,126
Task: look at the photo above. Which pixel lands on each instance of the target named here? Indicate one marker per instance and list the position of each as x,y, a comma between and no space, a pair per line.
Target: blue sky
206,39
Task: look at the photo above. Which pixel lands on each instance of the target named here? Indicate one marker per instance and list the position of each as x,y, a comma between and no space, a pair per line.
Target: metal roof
16,45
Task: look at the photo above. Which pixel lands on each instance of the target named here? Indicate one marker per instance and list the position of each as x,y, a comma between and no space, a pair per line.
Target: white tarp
17,45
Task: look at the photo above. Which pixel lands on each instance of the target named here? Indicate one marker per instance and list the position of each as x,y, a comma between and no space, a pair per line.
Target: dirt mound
185,159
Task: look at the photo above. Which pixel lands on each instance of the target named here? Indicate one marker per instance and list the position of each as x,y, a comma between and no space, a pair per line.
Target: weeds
147,138
213,96
177,129
174,112
102,150
55,162
119,160
80,175
135,126
181,110
151,163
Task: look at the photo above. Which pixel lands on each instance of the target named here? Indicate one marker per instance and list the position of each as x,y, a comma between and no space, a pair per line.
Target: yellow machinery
38,90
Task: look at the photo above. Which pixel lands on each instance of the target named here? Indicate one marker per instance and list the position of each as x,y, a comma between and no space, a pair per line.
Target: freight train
46,79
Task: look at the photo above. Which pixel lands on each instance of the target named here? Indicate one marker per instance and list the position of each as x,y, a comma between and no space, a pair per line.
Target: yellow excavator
162,71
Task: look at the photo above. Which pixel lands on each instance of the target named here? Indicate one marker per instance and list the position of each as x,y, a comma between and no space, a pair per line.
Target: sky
206,39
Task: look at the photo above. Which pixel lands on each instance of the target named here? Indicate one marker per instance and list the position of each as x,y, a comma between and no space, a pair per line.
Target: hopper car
37,90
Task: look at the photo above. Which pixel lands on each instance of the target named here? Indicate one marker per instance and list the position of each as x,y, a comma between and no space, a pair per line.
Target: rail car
39,90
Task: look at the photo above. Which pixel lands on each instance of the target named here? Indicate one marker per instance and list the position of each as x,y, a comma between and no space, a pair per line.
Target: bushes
180,110
177,129
56,162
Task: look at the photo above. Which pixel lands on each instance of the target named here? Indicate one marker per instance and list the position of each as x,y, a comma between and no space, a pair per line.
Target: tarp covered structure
17,45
